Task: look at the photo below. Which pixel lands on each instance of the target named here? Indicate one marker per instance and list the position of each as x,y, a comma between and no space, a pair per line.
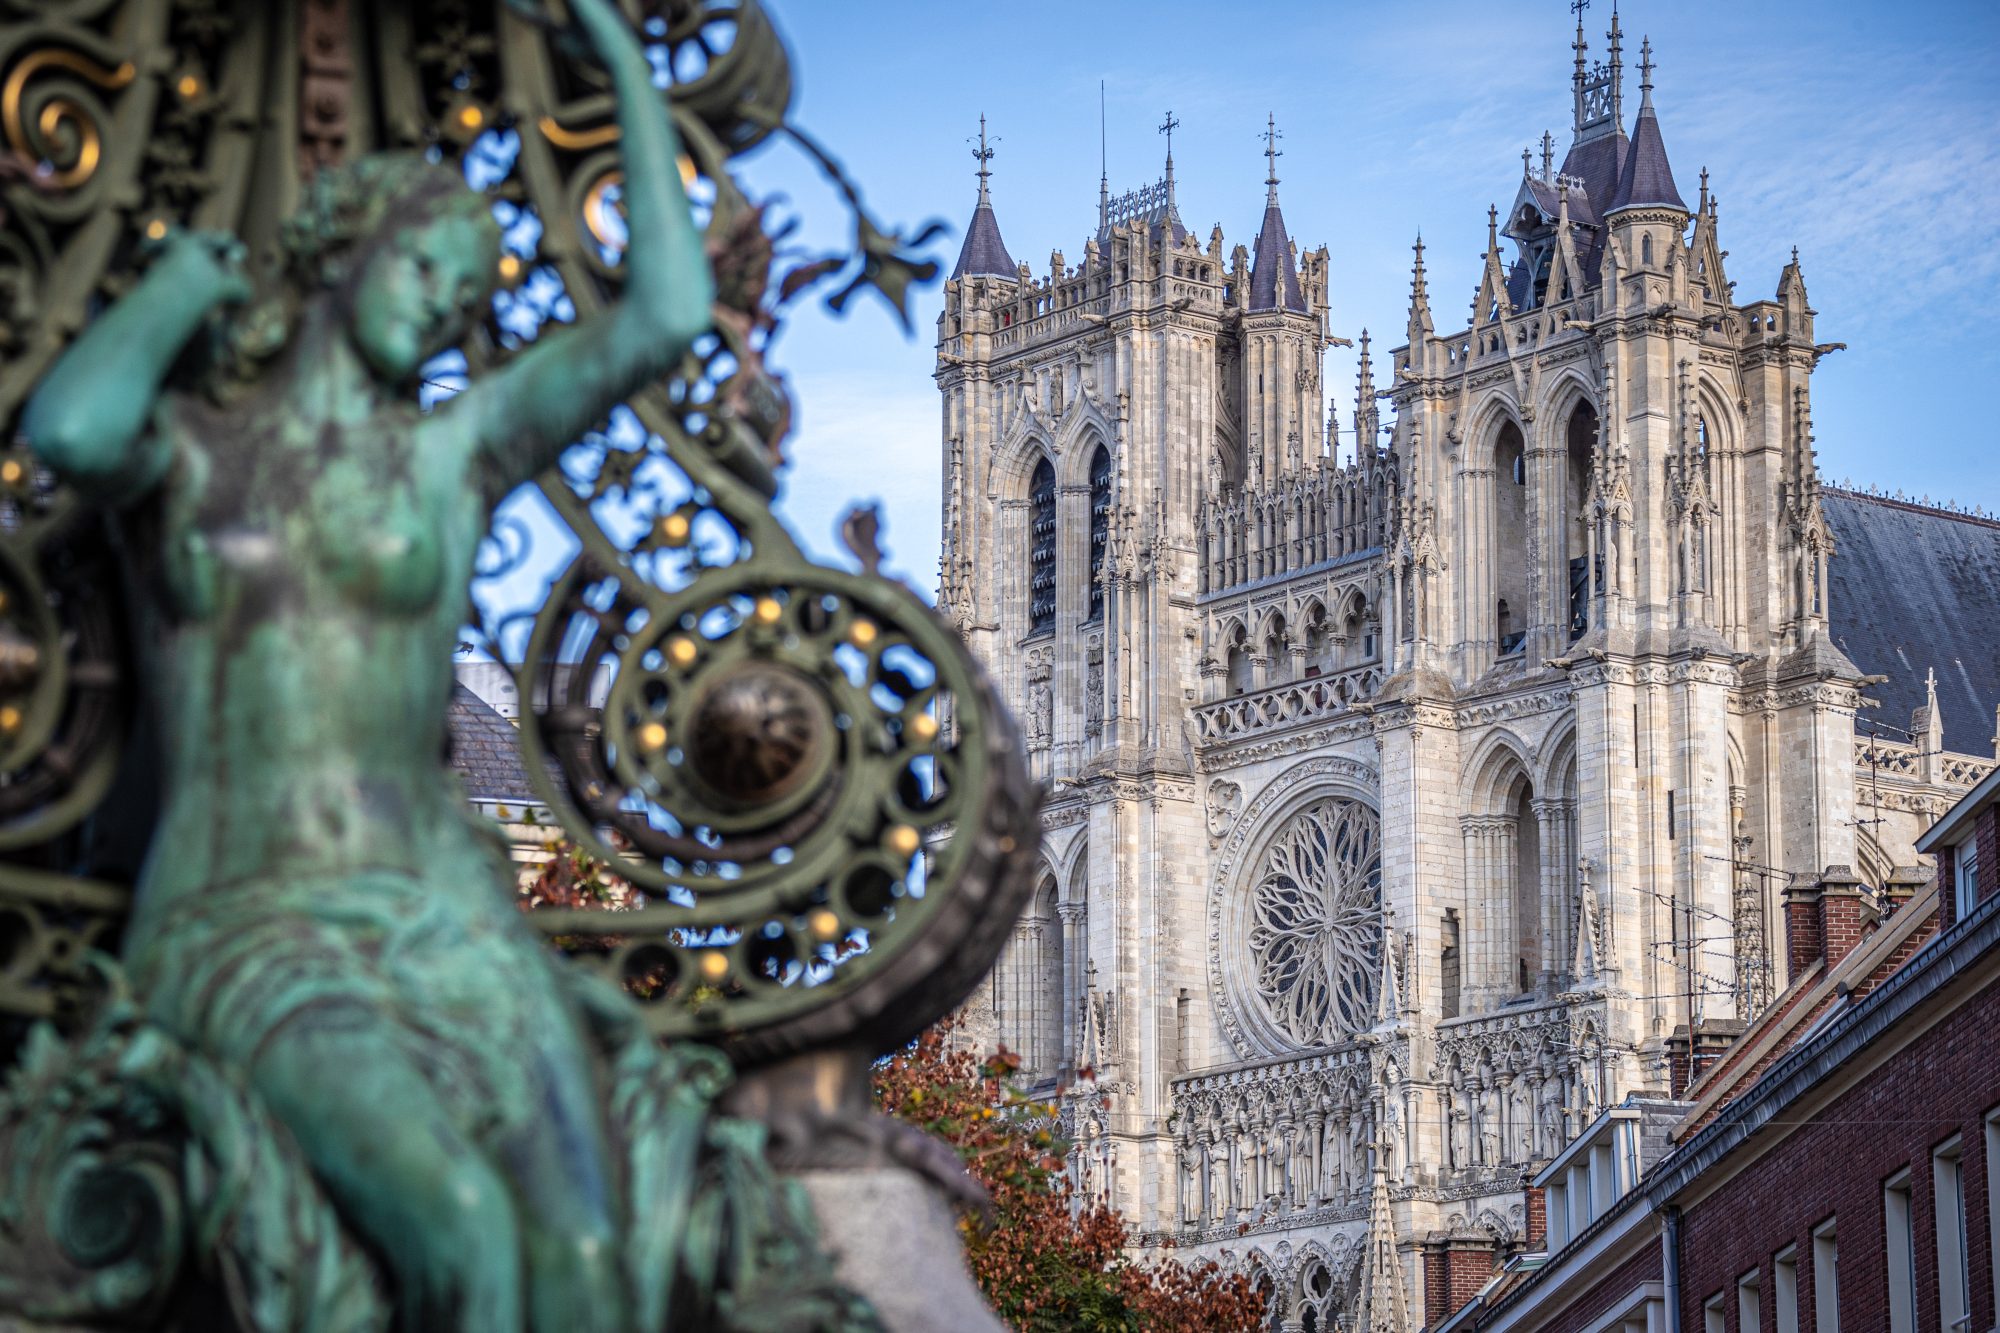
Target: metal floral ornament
323,971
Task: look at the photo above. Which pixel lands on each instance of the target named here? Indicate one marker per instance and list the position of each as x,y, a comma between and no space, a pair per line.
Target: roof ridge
1942,508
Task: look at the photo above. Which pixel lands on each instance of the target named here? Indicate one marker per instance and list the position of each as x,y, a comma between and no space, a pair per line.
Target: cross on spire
1645,71
1271,155
1167,127
982,155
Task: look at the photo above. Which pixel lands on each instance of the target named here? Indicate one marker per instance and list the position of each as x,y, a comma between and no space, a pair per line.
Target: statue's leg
375,1132
568,1220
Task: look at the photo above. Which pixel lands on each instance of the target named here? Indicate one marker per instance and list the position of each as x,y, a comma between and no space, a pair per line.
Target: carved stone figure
1458,1108
1486,1123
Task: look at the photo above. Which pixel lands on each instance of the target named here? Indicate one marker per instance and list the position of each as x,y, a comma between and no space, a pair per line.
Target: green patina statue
320,914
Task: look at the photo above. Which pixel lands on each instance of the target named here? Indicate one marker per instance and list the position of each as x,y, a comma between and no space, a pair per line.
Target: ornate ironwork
812,785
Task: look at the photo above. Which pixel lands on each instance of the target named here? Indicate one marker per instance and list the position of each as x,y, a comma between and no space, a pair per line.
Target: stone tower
1409,810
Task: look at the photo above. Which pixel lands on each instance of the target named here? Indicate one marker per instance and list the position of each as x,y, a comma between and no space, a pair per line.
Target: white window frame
1965,880
1826,1277
1712,1320
1785,1289
1750,1303
1899,1243
1993,1196
1948,1208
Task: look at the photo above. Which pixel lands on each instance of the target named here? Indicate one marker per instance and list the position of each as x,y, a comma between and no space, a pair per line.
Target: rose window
1315,919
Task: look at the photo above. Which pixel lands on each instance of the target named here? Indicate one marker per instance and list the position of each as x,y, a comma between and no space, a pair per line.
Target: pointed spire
984,252
1167,127
1384,1302
1103,167
1367,419
1548,155
1617,67
1388,996
1647,180
983,155
1584,962
1274,273
1420,301
1492,229
1271,155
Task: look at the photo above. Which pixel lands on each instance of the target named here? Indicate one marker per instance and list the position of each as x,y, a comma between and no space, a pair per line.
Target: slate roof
486,750
1273,261
984,251
1915,589
1597,163
1646,179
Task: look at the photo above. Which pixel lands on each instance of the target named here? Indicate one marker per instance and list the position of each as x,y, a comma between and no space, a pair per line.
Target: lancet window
1100,526
1042,546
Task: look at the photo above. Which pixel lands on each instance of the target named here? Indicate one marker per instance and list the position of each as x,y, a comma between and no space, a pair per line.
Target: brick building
1830,1171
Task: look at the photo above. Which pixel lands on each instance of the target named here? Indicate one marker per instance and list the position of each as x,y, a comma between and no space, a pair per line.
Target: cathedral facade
1409,809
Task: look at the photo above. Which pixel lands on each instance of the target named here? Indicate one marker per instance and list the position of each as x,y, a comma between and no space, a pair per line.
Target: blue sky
1863,133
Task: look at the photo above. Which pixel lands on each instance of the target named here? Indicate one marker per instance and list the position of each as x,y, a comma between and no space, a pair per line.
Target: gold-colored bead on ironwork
825,924
681,651
653,736
862,633
675,529
714,965
768,610
10,718
923,727
11,472
902,840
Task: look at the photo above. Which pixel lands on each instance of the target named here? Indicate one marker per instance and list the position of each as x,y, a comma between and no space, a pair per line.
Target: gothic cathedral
1406,812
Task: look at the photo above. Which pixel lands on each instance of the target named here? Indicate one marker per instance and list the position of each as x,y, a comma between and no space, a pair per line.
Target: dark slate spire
1274,279
984,252
1647,181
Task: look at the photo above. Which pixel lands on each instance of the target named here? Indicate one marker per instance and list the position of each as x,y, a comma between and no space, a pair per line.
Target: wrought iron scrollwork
801,768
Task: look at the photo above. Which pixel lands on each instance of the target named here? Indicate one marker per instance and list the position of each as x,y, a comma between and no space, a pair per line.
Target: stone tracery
1315,940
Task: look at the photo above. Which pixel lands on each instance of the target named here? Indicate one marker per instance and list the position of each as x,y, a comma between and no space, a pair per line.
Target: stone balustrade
1287,705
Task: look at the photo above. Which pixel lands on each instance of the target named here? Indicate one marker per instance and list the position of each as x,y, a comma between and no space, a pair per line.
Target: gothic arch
1555,760
1561,395
1499,764
1490,415
1717,406
1076,439
1014,461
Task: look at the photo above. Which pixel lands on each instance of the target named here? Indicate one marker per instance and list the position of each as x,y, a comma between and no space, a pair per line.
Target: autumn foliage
1047,1259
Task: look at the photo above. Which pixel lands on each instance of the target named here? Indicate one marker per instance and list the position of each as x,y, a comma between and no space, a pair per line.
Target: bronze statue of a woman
319,911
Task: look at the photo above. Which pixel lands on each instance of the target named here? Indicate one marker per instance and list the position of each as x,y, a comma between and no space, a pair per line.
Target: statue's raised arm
89,418
520,417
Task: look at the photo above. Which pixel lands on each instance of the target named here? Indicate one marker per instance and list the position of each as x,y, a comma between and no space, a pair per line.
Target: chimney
1805,940
1902,885
1846,911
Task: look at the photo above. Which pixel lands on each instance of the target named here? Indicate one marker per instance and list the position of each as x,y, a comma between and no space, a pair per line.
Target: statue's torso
303,612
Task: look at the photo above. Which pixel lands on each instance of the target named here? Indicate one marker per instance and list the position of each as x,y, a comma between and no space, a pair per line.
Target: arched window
1042,547
1510,538
1580,445
1646,250
1100,526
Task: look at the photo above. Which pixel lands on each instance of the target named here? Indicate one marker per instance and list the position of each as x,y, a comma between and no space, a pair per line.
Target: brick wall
1616,1284
1944,1084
